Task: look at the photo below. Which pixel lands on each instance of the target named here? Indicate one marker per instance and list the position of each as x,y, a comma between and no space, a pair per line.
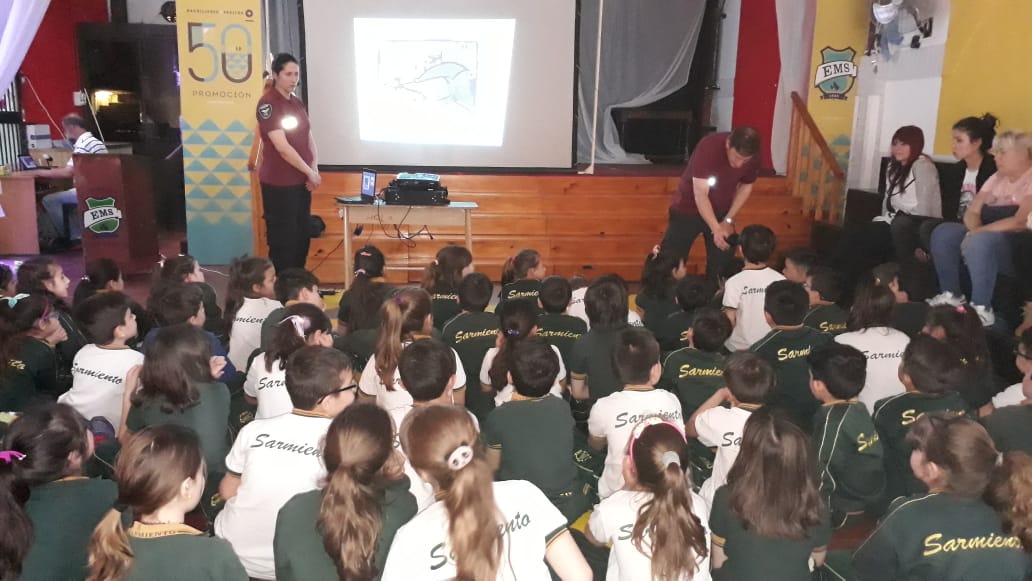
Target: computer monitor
27,162
368,186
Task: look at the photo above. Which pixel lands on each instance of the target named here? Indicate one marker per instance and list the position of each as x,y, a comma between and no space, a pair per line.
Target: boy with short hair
798,264
850,458
275,458
531,437
635,359
824,286
692,293
292,286
178,303
744,292
748,380
908,316
695,373
471,334
929,371
554,325
786,347
592,376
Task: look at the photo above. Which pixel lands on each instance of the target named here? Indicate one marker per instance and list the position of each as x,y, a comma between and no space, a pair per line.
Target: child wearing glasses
275,458
636,362
29,330
656,525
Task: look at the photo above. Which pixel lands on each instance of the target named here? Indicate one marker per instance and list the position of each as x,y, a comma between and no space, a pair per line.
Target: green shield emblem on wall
101,216
836,74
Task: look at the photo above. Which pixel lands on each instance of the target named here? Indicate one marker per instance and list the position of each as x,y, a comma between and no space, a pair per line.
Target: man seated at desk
74,128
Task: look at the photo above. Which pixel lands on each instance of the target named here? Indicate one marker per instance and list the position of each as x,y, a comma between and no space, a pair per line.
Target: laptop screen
368,183
27,162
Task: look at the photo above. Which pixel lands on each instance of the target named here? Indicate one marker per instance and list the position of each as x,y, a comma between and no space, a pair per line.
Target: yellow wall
987,65
838,25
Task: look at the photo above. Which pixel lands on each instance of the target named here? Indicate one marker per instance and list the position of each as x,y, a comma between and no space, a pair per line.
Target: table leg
349,257
469,231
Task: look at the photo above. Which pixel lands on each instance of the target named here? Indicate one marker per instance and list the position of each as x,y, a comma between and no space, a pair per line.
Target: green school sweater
591,360
535,437
1011,428
174,552
209,417
561,331
827,319
444,306
786,350
31,377
850,457
472,334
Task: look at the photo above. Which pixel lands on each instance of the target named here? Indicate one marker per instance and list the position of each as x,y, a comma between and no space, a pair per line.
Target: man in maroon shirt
713,189
289,168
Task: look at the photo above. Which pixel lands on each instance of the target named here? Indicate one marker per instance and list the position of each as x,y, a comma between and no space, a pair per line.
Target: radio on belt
416,189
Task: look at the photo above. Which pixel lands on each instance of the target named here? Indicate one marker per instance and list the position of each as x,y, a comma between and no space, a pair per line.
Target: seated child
870,331
850,458
518,321
656,296
929,372
786,346
970,527
175,304
104,276
29,368
521,276
693,292
635,359
43,276
365,491
1015,394
531,437
293,286
748,381
7,283
654,504
580,286
249,302
824,286
266,383
961,327
1011,426
592,376
471,333
184,269
695,373
442,278
50,508
745,291
275,458
554,325
907,316
360,304
799,263
100,368
427,369
161,477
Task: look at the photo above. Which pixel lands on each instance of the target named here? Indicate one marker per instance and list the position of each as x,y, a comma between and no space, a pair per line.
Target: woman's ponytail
110,555
1010,493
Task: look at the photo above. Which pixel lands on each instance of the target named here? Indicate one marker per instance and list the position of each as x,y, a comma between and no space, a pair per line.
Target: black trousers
287,210
908,234
681,232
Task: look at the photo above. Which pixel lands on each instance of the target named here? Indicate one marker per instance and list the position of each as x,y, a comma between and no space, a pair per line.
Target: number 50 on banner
233,58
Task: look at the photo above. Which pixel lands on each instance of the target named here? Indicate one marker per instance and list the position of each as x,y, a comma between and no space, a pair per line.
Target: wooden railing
813,172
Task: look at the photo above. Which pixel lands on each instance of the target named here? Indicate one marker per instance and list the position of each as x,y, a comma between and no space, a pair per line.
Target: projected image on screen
433,81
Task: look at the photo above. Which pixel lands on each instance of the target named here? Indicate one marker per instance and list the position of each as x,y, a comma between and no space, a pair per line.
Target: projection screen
441,83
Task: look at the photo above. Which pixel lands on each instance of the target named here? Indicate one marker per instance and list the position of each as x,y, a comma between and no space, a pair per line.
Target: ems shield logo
836,74
265,111
101,216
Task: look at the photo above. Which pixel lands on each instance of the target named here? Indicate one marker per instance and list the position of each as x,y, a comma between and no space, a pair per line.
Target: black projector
417,189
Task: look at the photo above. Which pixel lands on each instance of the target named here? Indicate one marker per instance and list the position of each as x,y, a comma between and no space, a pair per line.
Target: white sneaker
986,315
947,298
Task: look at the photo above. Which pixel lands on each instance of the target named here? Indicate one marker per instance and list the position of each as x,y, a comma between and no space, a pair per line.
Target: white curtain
647,50
795,22
19,20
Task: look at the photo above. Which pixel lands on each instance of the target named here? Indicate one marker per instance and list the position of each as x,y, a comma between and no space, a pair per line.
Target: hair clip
437,262
512,332
655,252
960,309
301,324
669,457
11,456
460,457
397,301
365,253
999,459
360,271
11,301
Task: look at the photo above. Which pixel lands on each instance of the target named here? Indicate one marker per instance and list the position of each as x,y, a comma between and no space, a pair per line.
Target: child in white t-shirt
744,292
514,519
250,299
577,309
1016,393
100,368
613,418
870,331
275,458
749,380
517,321
658,498
266,383
405,317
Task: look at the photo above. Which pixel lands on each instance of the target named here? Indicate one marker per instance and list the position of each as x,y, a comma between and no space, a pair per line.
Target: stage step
589,225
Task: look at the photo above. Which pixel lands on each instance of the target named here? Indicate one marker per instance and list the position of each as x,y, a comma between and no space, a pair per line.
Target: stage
581,224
